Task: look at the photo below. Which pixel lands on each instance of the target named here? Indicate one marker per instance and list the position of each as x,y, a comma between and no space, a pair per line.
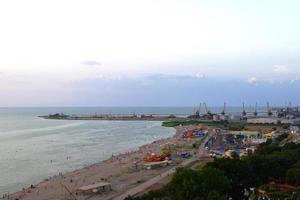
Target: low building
224,117
216,118
290,121
94,188
263,120
234,118
152,165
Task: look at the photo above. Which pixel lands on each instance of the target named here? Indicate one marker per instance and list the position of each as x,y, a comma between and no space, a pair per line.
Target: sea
33,149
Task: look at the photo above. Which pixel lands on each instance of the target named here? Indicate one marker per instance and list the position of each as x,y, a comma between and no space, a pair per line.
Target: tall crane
199,110
206,110
223,111
289,107
255,111
269,109
244,114
194,111
208,113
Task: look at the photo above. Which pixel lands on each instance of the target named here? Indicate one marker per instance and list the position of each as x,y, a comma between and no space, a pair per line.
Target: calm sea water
32,148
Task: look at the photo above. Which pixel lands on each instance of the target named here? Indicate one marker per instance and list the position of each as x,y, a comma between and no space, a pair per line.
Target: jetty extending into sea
132,117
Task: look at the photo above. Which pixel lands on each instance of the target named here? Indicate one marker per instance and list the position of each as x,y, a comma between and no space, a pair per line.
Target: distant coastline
150,117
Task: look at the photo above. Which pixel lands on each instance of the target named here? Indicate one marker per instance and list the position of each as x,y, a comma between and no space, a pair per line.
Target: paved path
147,184
202,151
152,181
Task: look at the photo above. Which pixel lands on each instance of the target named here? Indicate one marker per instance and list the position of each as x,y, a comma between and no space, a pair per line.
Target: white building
234,118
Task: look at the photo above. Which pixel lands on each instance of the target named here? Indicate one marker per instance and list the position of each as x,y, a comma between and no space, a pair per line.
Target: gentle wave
8,134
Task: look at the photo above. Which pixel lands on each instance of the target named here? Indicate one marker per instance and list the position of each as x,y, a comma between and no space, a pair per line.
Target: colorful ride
156,158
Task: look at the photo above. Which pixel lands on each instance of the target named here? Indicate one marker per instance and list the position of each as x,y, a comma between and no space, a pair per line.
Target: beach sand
122,171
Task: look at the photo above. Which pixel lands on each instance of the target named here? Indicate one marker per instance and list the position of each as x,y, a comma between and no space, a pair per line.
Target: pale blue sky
148,53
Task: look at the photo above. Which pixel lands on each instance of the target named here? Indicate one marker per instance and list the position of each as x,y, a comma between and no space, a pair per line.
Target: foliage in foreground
208,183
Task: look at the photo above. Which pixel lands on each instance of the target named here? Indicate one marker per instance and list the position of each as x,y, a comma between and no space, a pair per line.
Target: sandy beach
123,171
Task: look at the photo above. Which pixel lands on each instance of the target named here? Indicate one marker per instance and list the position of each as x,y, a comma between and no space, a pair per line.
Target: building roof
94,186
156,163
244,132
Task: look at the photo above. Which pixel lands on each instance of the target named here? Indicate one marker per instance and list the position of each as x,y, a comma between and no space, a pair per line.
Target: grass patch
178,123
232,126
237,126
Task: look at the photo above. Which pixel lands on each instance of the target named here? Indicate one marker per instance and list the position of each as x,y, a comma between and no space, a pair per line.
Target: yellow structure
253,133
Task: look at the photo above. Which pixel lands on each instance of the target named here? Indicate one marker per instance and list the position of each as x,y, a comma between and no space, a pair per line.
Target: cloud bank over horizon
155,90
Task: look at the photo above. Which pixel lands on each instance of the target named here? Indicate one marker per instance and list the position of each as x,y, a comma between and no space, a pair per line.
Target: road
202,151
147,184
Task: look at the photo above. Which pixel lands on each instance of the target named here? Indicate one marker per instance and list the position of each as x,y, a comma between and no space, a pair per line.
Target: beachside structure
234,118
152,165
94,188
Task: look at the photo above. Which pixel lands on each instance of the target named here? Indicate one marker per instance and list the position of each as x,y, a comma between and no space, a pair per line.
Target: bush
293,174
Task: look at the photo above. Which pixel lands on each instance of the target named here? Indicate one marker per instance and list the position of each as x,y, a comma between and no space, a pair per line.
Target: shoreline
124,171
106,170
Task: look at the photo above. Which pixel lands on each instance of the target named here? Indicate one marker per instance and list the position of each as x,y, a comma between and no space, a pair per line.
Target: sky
149,53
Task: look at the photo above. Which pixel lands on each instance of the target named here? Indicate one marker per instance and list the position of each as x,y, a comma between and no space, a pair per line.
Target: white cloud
252,80
110,31
92,63
200,75
294,80
281,69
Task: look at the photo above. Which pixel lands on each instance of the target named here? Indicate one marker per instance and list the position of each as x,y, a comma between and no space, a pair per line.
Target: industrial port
264,115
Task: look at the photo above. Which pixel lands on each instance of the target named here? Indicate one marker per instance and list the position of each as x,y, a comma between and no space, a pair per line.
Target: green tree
293,174
197,185
214,195
213,183
184,185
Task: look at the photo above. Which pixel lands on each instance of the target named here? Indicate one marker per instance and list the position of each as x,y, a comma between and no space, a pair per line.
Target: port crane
194,112
198,112
244,113
208,112
224,108
255,111
269,110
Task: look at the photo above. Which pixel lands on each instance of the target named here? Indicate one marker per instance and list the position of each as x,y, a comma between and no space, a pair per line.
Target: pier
115,117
